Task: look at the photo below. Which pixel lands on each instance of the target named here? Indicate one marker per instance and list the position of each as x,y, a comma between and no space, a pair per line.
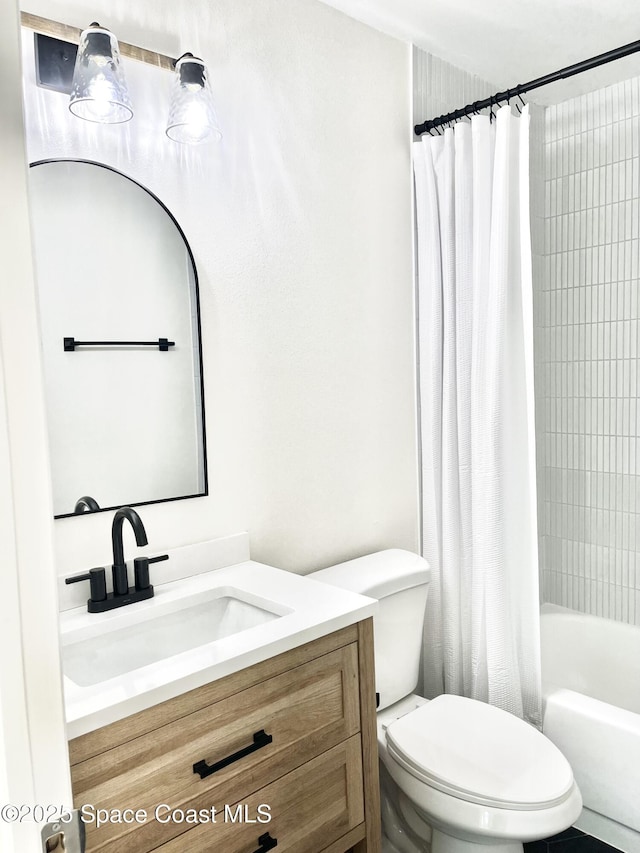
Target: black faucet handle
97,583
141,570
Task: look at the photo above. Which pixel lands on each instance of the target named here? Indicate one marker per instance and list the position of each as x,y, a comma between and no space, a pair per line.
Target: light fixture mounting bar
64,32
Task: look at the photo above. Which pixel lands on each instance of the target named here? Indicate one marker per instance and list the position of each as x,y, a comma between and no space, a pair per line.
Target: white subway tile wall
440,88
587,315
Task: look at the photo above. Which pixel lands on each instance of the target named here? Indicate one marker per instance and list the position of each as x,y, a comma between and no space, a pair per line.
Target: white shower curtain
482,634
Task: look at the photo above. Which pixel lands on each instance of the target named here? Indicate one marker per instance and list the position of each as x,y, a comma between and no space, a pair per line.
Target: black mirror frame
205,491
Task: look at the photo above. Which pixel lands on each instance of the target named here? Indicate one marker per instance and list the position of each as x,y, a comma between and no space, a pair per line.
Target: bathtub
591,695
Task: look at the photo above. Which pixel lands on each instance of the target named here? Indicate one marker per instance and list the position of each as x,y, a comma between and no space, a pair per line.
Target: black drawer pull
203,769
266,842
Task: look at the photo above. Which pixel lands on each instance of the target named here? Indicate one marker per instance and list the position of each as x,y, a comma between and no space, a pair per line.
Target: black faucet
119,568
86,504
100,601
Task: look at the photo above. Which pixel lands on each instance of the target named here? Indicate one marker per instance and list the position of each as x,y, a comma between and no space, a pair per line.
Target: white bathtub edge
609,831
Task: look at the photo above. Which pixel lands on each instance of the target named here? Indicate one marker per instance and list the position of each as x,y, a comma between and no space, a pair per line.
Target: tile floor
570,841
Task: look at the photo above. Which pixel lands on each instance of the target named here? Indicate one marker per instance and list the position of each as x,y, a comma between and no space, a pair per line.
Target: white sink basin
126,645
199,627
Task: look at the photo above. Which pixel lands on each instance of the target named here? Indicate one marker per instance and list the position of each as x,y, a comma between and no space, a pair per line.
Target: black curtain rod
494,100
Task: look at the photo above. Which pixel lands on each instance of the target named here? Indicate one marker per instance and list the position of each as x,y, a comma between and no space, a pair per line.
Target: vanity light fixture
99,90
192,116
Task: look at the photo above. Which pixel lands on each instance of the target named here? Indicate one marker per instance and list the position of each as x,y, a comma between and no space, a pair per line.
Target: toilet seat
481,754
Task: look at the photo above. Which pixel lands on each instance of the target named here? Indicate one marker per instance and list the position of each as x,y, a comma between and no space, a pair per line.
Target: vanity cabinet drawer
304,711
310,808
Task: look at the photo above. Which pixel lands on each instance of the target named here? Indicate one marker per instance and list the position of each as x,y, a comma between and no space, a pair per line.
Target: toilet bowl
476,774
457,775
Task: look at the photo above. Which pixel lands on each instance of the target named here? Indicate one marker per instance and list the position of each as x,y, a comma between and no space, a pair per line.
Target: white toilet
457,775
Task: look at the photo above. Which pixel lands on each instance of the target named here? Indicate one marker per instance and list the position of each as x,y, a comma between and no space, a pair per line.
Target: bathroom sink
125,644
201,625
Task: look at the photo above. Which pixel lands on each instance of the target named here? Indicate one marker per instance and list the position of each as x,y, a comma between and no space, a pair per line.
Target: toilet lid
481,754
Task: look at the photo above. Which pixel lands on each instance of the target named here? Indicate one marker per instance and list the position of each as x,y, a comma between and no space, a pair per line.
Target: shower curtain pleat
476,393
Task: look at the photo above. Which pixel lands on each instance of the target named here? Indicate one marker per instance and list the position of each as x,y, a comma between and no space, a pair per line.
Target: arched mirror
120,326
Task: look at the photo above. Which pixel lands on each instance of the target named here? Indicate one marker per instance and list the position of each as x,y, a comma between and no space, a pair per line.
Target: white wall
588,345
300,223
33,750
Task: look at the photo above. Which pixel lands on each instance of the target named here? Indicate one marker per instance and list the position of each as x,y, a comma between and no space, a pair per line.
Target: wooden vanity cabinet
286,749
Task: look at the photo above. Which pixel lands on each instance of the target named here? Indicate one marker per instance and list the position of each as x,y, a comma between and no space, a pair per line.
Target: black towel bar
163,344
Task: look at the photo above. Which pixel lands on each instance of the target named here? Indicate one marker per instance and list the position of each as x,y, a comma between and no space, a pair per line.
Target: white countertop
311,610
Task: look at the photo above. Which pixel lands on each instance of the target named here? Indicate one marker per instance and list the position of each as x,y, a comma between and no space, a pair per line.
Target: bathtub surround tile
587,340
440,87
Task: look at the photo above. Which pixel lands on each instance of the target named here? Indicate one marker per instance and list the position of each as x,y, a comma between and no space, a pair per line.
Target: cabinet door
302,713
310,808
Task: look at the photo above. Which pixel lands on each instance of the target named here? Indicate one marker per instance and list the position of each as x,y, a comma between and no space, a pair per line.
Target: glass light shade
192,117
99,90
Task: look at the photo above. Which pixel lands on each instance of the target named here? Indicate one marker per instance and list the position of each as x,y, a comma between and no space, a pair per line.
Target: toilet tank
399,580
